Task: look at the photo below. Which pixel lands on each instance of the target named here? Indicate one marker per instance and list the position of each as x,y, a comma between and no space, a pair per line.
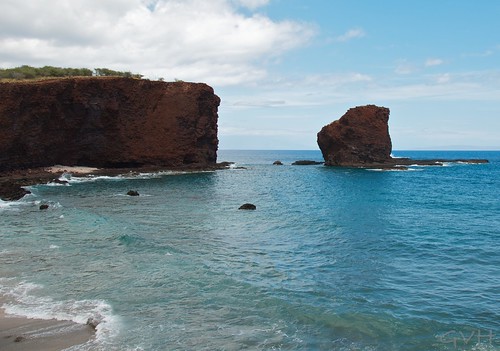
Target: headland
115,124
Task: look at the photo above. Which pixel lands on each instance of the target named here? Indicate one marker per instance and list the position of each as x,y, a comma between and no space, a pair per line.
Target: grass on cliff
36,73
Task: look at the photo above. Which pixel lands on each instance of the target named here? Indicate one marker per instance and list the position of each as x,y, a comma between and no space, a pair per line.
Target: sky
285,68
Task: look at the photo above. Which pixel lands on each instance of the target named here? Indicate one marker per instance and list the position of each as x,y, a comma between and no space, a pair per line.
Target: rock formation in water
360,138
107,122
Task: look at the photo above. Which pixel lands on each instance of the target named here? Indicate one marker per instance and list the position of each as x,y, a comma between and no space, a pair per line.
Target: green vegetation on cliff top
28,72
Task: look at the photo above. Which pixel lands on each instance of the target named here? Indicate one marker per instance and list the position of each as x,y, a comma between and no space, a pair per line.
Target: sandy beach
20,333
77,170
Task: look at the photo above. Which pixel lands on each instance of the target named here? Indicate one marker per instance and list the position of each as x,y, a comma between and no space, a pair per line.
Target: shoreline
12,182
28,334
403,163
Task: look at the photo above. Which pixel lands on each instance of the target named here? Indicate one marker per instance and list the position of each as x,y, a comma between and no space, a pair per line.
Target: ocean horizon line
394,150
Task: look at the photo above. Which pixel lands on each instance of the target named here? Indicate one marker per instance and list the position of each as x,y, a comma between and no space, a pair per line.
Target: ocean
331,259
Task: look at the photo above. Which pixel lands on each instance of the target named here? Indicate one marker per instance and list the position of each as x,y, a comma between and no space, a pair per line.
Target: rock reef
360,138
107,122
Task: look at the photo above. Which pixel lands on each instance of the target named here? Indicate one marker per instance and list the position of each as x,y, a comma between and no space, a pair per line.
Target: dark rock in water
225,164
306,163
44,206
247,206
60,181
133,193
19,338
359,137
12,191
93,323
278,163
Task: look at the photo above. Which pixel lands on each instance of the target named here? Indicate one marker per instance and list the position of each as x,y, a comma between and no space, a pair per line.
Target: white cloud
196,40
351,34
443,78
252,4
337,80
433,62
405,68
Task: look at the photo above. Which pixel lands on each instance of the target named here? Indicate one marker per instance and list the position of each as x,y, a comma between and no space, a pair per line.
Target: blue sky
285,68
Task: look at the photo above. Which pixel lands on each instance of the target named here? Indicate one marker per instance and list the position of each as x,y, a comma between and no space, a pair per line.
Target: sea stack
107,122
359,138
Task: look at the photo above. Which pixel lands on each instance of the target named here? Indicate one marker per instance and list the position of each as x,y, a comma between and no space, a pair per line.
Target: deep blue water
332,259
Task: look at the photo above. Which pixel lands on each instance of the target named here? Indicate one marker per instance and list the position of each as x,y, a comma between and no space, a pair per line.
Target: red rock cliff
107,122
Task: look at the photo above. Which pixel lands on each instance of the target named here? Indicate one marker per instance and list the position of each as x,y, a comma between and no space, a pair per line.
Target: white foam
391,169
7,204
23,301
392,156
54,246
13,205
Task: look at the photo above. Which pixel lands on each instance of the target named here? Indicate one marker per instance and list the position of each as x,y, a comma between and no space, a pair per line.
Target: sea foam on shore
32,322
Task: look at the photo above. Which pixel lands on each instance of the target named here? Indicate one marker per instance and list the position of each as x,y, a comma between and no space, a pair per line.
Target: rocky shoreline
404,163
13,183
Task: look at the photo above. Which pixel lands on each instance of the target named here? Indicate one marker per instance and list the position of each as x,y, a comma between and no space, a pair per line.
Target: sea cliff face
107,122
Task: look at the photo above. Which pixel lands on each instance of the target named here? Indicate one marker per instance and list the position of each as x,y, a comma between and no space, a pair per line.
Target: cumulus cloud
212,41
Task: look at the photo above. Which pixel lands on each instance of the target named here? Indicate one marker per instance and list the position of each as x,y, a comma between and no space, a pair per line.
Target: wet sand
26,334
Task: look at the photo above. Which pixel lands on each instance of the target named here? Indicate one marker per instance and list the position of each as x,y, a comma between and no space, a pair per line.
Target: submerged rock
133,193
247,206
44,206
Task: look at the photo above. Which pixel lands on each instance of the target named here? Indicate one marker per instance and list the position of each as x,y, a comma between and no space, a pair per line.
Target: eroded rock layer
107,122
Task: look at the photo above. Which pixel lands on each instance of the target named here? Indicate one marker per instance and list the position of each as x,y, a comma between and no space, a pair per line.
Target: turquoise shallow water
332,259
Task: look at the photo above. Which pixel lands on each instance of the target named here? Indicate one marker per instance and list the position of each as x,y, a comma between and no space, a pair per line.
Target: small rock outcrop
132,193
107,122
306,163
278,163
360,137
247,206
